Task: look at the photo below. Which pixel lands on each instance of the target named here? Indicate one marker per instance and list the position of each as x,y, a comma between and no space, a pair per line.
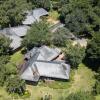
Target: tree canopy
4,45
93,52
81,16
37,35
15,85
75,55
59,37
12,12
42,3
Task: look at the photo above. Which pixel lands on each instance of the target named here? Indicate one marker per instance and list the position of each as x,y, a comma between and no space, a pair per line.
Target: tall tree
11,12
4,45
59,37
43,3
15,85
37,35
81,17
93,52
75,55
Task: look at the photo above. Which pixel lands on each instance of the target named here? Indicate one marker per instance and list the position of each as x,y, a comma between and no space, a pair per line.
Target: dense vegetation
12,12
93,52
8,71
37,35
81,17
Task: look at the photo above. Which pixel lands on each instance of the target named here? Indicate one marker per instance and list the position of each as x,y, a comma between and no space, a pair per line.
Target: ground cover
98,97
83,79
53,17
17,57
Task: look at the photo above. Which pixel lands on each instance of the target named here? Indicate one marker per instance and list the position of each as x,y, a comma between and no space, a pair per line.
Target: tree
15,85
97,84
59,38
12,12
2,74
75,55
4,45
80,96
93,52
97,87
37,35
43,3
81,17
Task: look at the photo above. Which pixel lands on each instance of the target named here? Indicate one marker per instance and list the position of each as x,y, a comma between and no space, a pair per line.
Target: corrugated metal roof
54,70
34,16
19,30
45,53
14,33
40,59
47,69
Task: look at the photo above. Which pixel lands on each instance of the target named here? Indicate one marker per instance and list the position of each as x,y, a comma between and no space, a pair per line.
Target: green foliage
37,35
59,38
15,85
43,3
97,84
11,12
93,52
2,74
75,55
11,69
80,16
80,96
4,45
97,87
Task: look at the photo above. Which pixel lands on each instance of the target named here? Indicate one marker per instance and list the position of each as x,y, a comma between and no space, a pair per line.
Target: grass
16,57
54,15
98,97
83,79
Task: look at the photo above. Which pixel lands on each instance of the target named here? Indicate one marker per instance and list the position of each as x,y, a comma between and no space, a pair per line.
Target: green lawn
17,57
83,79
98,97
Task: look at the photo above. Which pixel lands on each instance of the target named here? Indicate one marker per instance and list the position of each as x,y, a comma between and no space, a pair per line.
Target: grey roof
43,53
34,15
16,42
14,34
18,31
40,64
53,69
46,69
37,13
29,20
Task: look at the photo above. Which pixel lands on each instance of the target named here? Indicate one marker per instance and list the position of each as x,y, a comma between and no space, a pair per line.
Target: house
15,34
41,62
34,15
47,69
43,53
